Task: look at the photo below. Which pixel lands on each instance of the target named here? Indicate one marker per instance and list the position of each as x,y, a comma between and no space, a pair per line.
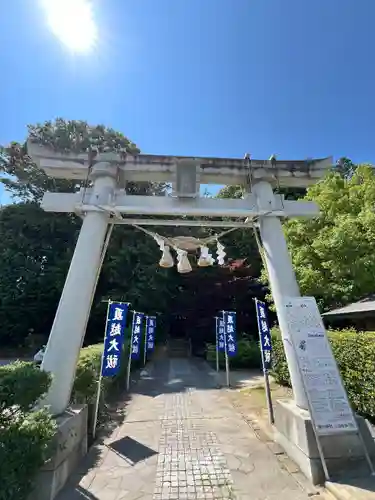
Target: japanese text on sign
230,332
150,333
136,335
116,321
328,401
264,334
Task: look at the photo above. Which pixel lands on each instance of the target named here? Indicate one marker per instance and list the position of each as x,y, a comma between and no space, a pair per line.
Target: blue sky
202,77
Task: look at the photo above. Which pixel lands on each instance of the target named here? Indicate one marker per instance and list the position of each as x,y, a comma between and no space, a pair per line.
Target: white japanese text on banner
136,335
150,333
230,332
116,321
264,334
220,334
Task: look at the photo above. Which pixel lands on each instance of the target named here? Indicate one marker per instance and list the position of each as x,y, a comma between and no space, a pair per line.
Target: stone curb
327,492
337,492
262,432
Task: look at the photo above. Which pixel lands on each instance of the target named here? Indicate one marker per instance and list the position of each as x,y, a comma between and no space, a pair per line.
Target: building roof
366,305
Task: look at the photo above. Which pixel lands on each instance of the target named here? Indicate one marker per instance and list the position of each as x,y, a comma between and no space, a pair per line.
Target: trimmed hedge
355,355
280,369
87,375
25,436
248,355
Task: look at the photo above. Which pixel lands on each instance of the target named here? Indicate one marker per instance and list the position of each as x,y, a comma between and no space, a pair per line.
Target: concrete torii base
70,446
343,453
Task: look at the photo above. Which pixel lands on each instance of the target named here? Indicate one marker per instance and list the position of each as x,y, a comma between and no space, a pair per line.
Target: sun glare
72,22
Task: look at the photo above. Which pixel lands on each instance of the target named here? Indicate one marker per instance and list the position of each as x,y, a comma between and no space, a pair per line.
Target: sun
72,22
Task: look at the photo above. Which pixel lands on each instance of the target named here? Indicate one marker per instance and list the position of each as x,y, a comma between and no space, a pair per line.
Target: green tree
35,252
231,192
334,254
27,182
345,167
36,247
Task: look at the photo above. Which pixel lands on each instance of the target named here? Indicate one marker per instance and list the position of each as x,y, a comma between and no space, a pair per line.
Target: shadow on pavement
203,377
72,489
80,493
361,487
160,381
131,450
113,416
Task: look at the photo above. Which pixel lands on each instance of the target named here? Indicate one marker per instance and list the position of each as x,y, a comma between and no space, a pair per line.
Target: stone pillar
282,277
69,326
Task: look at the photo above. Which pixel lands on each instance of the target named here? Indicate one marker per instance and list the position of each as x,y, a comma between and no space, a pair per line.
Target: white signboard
328,401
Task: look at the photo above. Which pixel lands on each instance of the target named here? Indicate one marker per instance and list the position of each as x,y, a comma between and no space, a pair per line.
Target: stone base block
294,433
70,447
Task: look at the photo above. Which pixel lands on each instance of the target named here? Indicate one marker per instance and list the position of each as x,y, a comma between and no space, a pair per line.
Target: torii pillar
69,326
282,278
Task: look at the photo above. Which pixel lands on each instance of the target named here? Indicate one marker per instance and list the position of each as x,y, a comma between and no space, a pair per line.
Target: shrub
87,375
88,371
355,355
25,436
248,355
280,369
22,385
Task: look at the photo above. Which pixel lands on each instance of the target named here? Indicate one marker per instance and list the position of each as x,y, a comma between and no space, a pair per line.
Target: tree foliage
345,167
27,182
35,252
334,254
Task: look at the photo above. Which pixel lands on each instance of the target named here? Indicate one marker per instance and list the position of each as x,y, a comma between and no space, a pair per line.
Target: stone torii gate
107,203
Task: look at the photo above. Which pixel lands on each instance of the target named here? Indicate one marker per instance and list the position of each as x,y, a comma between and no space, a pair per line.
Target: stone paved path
181,440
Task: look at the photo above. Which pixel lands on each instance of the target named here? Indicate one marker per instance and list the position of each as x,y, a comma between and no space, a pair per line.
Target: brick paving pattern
190,464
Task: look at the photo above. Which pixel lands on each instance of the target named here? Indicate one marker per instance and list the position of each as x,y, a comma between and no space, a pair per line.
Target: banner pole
130,355
95,420
226,352
145,343
267,387
217,344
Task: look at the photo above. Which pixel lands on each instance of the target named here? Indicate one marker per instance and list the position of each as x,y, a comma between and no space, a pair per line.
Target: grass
252,400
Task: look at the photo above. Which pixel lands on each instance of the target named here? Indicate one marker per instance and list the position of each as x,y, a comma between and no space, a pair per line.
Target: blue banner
136,335
150,333
114,338
264,334
230,332
220,342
